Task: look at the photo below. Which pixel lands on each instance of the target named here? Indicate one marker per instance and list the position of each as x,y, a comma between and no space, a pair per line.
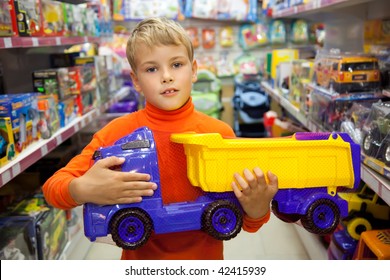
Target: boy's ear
194,71
135,81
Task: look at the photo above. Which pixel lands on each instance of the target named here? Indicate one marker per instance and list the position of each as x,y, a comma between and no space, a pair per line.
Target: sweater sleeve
56,188
253,225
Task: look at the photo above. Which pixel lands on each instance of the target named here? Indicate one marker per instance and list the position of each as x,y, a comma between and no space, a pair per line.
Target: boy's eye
151,69
177,64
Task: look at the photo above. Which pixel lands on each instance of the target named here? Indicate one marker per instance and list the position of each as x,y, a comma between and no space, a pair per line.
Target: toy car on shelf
310,169
345,72
376,133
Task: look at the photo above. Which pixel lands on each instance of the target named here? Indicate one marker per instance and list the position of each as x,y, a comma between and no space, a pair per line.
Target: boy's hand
256,195
103,185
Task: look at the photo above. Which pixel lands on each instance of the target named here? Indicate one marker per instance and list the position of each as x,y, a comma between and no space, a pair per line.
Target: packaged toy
226,36
242,10
7,143
300,32
206,93
329,111
208,38
346,72
18,238
29,17
253,35
376,140
194,36
277,32
52,18
8,27
141,9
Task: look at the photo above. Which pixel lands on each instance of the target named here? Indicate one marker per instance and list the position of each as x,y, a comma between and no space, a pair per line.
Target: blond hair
156,32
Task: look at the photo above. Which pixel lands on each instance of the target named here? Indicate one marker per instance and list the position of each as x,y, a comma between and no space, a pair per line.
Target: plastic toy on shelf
306,161
366,211
376,138
346,72
374,245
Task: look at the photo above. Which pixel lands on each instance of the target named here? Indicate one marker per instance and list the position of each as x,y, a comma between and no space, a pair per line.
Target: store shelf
316,6
37,150
28,42
374,180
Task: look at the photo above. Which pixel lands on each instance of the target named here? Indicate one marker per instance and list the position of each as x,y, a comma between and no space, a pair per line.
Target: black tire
367,144
287,218
222,220
386,153
131,228
322,217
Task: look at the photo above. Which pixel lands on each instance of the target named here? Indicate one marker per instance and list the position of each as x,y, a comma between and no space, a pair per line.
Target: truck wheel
357,225
322,217
222,220
386,156
287,218
131,228
367,144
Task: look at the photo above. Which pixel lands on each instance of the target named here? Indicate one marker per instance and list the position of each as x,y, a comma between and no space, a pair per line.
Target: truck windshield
359,66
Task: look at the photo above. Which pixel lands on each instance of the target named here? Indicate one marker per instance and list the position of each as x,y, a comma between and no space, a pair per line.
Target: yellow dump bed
212,160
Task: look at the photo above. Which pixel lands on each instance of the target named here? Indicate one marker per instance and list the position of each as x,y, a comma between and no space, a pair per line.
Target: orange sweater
174,182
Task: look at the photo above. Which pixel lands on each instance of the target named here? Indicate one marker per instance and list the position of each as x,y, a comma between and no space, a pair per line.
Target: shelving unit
340,15
29,42
42,147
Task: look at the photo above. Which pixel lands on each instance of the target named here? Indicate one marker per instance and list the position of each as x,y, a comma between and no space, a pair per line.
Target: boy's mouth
169,91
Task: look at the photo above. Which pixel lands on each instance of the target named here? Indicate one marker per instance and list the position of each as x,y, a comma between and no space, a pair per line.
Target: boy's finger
273,180
111,161
260,176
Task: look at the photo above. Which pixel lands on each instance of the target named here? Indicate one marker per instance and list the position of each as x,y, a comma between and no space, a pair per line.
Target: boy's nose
167,77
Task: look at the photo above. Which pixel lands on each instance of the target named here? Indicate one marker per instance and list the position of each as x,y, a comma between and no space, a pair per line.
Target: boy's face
164,75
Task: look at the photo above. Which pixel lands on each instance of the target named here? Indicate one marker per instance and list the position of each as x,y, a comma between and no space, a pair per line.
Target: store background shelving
338,14
39,149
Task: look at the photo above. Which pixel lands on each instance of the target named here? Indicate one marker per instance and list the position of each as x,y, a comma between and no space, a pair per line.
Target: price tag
7,42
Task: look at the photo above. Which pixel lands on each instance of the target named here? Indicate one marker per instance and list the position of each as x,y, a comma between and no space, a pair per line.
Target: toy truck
310,169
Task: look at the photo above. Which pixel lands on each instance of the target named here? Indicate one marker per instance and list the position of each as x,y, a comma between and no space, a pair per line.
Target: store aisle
275,241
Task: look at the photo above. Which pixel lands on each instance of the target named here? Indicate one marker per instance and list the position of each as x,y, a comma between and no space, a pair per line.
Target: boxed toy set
7,143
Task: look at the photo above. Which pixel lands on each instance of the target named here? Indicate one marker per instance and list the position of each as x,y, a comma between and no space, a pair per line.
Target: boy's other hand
104,184
255,194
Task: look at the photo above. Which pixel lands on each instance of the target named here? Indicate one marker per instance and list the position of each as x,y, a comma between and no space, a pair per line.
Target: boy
163,70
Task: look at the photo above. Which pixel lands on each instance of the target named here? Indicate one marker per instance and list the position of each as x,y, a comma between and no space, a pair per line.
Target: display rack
374,180
29,42
316,6
39,149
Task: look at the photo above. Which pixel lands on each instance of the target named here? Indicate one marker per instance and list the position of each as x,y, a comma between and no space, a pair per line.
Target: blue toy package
128,10
278,32
242,10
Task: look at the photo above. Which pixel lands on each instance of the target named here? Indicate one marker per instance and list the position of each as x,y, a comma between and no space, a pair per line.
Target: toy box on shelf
48,116
376,139
8,27
83,85
53,81
18,239
276,57
7,144
301,75
346,72
221,10
374,245
329,110
22,110
50,225
29,17
53,22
